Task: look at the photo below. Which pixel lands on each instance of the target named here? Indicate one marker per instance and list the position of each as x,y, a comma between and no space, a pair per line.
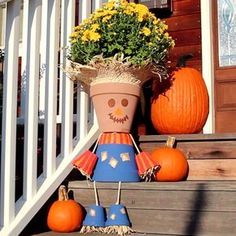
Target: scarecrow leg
95,218
117,219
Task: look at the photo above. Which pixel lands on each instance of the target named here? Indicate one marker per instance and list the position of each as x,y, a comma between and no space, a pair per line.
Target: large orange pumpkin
172,161
184,107
65,215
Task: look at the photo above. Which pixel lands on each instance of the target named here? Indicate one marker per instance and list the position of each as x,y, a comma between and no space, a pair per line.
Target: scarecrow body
116,159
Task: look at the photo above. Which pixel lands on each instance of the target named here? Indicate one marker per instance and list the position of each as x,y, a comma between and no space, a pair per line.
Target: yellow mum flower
156,21
73,41
123,3
166,34
140,8
85,36
142,11
94,36
146,31
86,21
172,44
110,5
129,10
106,18
95,26
89,35
74,34
76,28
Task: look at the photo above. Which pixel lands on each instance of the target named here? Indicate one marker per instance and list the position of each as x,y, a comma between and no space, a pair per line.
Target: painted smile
118,120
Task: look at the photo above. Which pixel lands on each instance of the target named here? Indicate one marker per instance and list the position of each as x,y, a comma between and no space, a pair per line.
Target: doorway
224,32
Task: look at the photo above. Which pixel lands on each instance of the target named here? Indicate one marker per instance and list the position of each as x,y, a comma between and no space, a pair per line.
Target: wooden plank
185,7
51,233
186,22
189,137
195,50
186,37
196,64
184,222
212,169
221,117
161,199
200,150
178,186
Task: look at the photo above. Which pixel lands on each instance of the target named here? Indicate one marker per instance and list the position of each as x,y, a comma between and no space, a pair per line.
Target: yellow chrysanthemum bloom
89,35
129,10
85,36
106,18
123,4
156,21
95,26
110,5
73,41
94,36
146,31
74,35
141,8
142,12
172,44
86,21
166,34
78,27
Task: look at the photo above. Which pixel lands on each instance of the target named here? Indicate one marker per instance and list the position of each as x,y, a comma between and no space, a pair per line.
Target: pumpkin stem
182,60
62,193
170,142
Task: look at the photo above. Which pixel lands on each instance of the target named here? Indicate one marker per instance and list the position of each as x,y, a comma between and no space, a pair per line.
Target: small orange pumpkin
172,161
65,215
184,106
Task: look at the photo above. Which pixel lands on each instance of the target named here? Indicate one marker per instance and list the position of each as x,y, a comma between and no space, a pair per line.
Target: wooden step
210,156
170,208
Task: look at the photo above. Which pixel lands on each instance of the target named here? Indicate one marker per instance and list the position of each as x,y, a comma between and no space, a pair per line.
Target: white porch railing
47,97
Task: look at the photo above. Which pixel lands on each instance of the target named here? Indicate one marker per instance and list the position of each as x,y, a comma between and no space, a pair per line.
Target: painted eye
111,102
124,102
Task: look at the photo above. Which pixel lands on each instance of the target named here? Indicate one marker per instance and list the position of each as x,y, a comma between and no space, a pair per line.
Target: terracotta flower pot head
115,104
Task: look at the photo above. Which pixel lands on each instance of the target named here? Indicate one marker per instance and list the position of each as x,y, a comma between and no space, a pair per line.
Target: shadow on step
198,206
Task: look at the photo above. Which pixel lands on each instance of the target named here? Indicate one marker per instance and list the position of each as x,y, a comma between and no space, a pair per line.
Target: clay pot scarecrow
115,96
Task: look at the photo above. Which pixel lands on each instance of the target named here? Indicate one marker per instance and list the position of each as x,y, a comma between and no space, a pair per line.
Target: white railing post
68,21
52,50
32,44
82,97
8,154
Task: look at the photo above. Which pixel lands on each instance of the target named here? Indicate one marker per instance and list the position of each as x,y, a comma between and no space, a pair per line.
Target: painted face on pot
118,109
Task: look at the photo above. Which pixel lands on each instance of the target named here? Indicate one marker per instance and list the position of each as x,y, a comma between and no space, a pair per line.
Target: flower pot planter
115,104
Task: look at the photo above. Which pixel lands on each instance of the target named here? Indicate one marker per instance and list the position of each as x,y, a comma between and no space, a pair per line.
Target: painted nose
119,112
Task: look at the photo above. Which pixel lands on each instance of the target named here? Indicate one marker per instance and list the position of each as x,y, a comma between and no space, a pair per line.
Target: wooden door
224,28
